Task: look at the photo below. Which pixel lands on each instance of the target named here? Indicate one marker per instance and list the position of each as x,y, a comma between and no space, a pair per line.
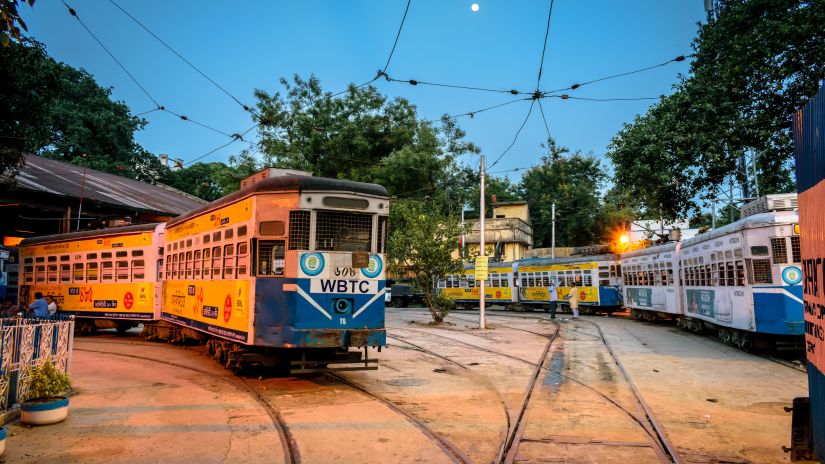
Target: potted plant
44,403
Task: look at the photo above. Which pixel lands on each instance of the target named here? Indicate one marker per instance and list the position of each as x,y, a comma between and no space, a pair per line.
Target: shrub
46,381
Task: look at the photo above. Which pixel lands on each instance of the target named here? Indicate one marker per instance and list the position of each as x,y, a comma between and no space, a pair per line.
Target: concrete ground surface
446,393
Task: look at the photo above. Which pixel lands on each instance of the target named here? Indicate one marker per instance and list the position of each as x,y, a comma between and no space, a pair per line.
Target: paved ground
447,393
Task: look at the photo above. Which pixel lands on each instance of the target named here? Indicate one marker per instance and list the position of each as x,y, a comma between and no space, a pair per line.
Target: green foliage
421,242
754,65
10,21
573,182
46,381
211,181
361,136
440,306
54,110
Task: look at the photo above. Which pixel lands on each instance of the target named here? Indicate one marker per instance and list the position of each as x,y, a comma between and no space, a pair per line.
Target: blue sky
248,45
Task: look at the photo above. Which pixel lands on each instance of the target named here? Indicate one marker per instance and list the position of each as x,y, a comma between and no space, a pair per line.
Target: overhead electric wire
159,107
416,82
529,112
543,118
614,76
397,36
74,13
169,47
472,114
544,47
235,137
610,99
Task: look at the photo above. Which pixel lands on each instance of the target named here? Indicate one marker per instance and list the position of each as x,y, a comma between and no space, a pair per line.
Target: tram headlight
342,305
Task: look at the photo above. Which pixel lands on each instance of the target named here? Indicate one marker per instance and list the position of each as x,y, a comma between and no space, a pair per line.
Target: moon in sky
474,7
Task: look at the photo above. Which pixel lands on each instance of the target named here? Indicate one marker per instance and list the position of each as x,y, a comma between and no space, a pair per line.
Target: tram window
241,231
343,231
40,273
122,271
189,264
189,243
121,254
619,270
471,283
64,258
242,254
669,277
29,273
77,273
299,230
216,236
442,283
91,272
382,234
731,273
28,260
228,234
52,272
762,271
168,247
588,280
229,261
66,273
175,246
737,253
170,267
52,259
779,247
796,251
106,271
40,259
462,282
205,262
136,253
721,275
206,239
138,270
271,257
759,250
106,255
545,278
216,262
740,273
274,228
505,280
196,264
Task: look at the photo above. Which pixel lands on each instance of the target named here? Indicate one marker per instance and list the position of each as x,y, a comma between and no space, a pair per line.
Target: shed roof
63,179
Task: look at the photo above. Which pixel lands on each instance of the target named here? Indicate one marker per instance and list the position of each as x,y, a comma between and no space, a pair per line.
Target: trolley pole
482,322
553,234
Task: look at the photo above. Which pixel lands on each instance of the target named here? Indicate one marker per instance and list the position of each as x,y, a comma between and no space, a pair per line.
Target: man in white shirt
52,305
553,297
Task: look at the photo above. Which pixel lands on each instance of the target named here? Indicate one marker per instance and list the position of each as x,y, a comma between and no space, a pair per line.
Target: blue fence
27,342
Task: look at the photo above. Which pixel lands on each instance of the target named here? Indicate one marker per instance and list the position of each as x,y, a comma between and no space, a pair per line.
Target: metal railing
28,342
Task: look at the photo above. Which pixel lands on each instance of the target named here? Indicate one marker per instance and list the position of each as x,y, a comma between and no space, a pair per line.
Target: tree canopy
755,63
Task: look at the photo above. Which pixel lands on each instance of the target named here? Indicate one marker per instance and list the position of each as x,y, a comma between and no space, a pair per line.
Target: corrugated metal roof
64,179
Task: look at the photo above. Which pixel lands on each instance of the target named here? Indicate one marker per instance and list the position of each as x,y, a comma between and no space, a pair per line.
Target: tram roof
90,233
650,250
569,260
289,183
751,222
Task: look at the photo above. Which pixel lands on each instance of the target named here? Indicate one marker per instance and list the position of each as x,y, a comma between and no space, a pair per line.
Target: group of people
572,298
42,307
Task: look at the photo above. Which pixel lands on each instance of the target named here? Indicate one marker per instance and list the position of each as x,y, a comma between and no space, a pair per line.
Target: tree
755,64
421,242
573,182
54,110
361,136
10,21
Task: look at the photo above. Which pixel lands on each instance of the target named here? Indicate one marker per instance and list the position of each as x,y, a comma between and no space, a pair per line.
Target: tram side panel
651,282
100,275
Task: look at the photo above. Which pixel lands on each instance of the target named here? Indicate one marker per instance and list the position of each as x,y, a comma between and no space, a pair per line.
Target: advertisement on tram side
133,300
219,307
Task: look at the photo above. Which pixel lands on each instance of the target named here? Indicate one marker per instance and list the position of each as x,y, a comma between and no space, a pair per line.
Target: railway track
450,450
288,444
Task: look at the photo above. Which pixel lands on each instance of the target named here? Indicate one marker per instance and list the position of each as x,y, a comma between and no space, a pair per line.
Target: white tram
652,287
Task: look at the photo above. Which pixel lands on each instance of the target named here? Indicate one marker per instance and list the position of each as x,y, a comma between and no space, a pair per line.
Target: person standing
573,300
52,305
553,296
39,306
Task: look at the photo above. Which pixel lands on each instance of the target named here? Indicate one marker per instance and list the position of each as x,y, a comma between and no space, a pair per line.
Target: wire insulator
564,96
679,58
575,86
515,92
413,82
184,117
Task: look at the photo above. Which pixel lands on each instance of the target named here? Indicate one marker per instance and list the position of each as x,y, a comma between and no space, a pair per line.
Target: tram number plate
343,286
360,260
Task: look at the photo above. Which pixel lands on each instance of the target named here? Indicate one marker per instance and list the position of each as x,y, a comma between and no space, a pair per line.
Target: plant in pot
45,404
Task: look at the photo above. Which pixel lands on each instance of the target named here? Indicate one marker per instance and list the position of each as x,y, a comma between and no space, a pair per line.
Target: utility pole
482,322
755,179
461,248
713,216
553,233
82,189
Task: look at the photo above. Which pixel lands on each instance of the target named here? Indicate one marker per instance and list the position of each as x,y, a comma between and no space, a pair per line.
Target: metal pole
482,323
553,233
730,197
713,216
82,189
461,248
755,179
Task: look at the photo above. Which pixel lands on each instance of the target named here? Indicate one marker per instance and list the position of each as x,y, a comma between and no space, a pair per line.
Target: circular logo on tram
227,308
374,267
792,275
128,300
312,263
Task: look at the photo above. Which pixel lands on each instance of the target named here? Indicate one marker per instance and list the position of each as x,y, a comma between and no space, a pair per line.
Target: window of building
779,247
